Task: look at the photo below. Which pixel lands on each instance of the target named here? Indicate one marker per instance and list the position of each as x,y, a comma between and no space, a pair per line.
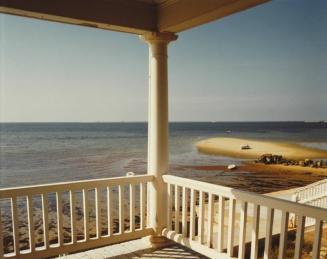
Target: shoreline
260,168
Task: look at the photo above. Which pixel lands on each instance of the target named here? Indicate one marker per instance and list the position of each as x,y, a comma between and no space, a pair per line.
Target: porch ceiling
133,16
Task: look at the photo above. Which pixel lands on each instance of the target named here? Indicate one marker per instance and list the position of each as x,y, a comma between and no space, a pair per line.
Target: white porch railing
314,194
311,192
68,225
184,226
81,215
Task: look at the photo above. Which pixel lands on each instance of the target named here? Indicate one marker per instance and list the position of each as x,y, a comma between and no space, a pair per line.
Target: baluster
192,214
45,218
221,216
299,237
1,238
184,211
59,219
177,206
201,217
15,224
73,216
242,236
30,222
269,226
283,235
143,204
210,219
255,231
317,239
121,209
86,213
169,206
98,211
231,226
132,207
109,211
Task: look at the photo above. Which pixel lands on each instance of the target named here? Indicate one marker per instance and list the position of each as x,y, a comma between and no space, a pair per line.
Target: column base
157,241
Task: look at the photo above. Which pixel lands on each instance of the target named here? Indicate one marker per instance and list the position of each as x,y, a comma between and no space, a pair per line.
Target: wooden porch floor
137,249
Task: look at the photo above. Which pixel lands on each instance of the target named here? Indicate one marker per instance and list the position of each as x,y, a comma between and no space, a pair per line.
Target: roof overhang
133,16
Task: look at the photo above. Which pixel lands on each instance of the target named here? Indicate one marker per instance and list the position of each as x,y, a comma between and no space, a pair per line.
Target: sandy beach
232,147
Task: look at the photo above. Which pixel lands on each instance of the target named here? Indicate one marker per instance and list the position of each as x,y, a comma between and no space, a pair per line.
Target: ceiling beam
180,15
118,15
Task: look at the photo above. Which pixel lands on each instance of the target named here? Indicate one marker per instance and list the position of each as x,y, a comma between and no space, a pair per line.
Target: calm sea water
33,153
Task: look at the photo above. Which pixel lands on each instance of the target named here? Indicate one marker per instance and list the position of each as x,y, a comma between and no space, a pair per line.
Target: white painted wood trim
75,185
132,207
15,225
73,222
269,226
201,218
121,203
210,219
299,237
221,223
86,214
255,231
185,201
98,212
260,199
317,239
169,206
142,204
231,227
30,217
242,235
45,218
192,214
110,211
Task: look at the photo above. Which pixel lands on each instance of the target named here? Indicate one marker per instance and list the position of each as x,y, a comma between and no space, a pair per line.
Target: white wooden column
158,127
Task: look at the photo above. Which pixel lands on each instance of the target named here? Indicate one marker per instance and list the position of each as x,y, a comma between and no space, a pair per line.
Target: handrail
309,186
73,185
259,199
99,194
191,220
311,191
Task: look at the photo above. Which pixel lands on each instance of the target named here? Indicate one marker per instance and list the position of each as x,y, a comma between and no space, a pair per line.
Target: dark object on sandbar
272,159
245,147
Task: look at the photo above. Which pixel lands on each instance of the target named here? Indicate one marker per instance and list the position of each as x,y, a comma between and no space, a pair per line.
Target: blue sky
266,63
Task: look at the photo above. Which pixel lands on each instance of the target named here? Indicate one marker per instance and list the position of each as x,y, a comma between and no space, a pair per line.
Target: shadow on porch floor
137,249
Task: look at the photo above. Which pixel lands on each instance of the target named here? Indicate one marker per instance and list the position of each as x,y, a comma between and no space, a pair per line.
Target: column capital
156,37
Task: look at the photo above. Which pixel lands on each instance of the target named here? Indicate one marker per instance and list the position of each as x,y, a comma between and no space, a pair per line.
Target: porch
212,220
216,221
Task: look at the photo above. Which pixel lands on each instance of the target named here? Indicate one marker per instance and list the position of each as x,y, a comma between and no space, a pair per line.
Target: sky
263,64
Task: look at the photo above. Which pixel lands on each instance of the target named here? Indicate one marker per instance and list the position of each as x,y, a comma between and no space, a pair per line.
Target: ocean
35,153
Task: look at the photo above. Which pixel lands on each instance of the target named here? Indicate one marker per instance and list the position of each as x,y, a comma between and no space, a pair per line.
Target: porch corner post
158,129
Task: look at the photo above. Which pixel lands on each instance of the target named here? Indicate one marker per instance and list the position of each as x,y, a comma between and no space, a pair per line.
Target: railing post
158,128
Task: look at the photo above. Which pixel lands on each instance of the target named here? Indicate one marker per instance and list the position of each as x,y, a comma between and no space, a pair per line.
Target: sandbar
232,147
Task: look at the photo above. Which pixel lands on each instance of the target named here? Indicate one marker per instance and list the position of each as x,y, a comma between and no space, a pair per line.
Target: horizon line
81,122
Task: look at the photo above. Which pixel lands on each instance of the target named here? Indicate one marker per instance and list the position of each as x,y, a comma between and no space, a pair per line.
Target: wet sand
254,177
232,147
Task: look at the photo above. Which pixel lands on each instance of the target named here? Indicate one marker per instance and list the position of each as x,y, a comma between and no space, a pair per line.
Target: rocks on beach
278,159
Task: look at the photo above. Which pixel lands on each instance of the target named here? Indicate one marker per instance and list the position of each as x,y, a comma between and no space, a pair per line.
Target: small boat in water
231,167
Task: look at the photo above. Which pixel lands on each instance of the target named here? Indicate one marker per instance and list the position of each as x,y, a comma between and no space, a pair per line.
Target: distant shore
232,147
